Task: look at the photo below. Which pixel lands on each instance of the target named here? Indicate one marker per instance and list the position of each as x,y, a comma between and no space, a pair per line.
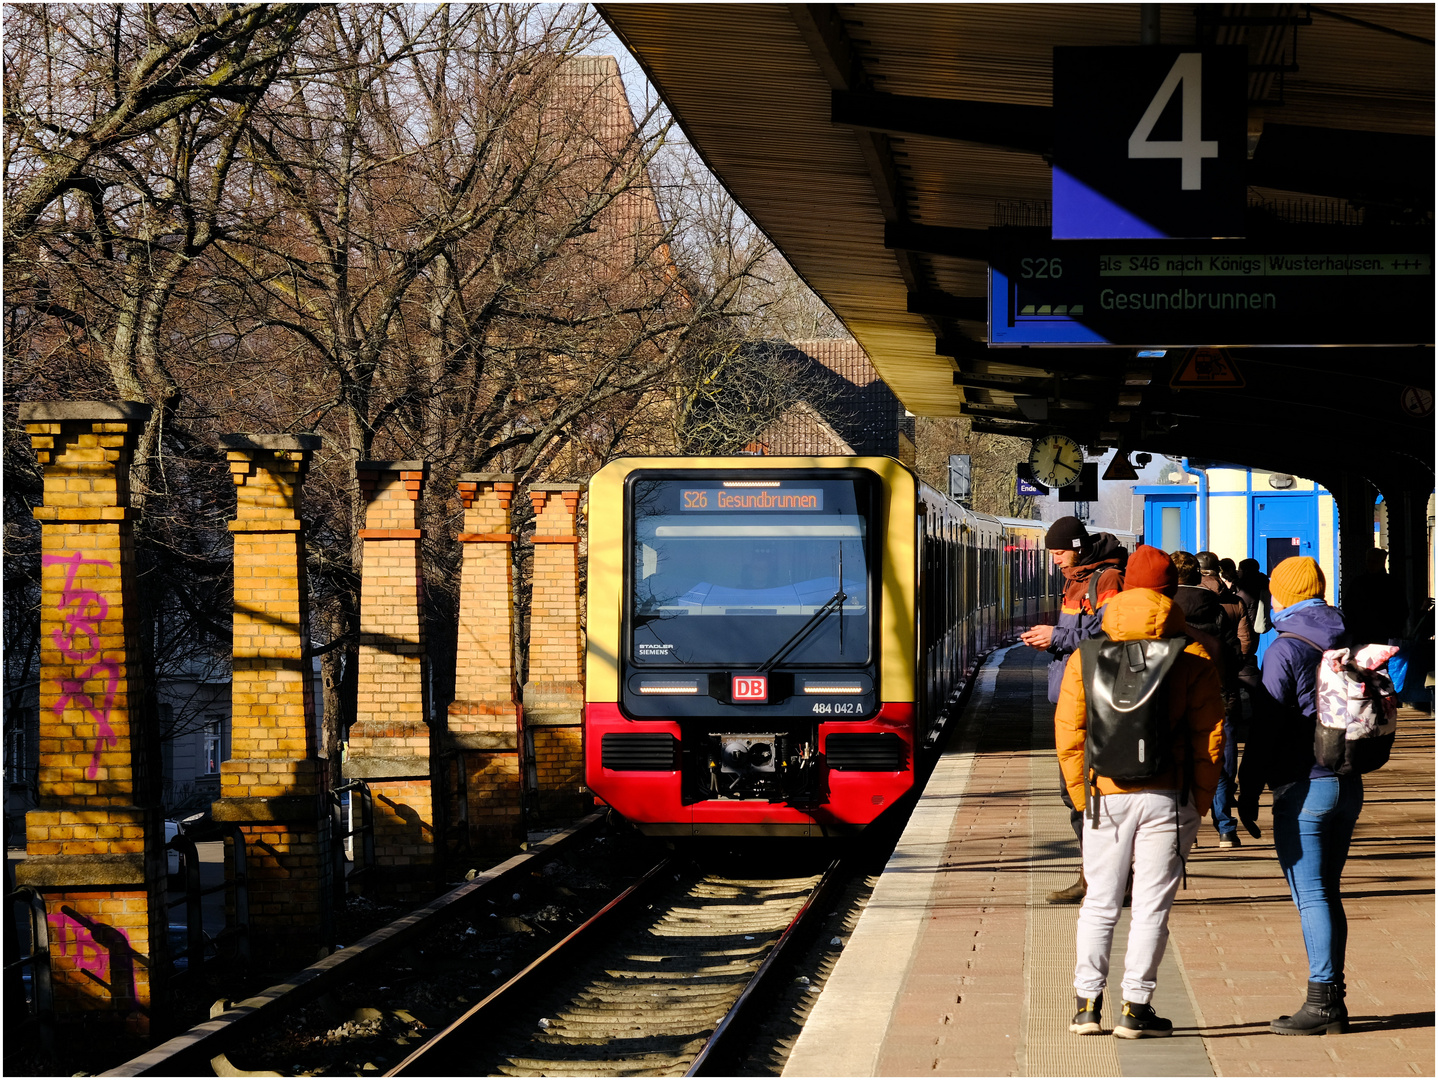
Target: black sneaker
1141,1022
1086,1020
1229,840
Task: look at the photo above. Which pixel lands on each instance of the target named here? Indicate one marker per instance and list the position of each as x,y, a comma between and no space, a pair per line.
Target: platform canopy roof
877,145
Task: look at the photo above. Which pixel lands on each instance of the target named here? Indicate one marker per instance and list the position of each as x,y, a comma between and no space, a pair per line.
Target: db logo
750,688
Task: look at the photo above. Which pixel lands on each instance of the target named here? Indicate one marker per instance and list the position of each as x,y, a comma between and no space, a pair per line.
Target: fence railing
194,831
40,998
339,832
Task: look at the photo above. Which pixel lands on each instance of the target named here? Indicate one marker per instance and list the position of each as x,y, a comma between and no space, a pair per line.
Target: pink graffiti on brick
83,609
73,690
74,938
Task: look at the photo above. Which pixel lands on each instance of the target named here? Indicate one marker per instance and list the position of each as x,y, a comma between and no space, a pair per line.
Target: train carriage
772,642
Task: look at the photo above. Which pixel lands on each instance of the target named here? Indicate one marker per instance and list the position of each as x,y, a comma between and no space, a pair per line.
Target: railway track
663,981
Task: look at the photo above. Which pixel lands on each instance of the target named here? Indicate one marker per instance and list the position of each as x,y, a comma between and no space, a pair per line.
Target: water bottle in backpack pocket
1357,707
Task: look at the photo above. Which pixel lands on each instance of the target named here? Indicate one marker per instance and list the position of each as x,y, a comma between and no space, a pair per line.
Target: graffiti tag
73,938
83,610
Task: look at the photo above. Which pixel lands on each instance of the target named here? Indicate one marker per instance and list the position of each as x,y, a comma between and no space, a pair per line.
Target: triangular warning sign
1207,369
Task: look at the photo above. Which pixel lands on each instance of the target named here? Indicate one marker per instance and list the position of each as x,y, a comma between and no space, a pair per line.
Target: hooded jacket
1078,620
1195,703
1280,741
1204,617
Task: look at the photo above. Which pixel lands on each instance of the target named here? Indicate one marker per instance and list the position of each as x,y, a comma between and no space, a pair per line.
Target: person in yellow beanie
1314,810
1296,580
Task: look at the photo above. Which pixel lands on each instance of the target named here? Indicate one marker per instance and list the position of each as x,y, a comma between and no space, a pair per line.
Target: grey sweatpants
1144,830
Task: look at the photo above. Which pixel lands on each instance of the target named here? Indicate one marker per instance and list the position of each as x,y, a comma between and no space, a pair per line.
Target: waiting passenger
1080,557
1374,607
1314,809
1241,645
1252,588
1135,823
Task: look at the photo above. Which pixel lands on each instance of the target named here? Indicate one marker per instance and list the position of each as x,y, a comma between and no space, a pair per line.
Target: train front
737,642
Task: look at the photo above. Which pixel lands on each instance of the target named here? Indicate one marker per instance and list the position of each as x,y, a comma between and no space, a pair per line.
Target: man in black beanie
1084,560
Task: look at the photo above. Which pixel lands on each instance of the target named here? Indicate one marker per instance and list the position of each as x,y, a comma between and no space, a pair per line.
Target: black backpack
1130,736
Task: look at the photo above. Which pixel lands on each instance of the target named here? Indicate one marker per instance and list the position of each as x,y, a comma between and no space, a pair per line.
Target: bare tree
992,463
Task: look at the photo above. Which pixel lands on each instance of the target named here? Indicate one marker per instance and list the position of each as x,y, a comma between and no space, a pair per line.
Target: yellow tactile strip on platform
1049,1048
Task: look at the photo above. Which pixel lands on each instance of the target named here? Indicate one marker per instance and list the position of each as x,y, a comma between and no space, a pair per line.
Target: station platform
957,966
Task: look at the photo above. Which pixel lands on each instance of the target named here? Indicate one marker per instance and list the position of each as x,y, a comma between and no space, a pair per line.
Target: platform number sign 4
1150,142
1185,77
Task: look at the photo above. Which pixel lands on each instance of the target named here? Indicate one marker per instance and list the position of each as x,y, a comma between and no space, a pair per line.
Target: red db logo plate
750,688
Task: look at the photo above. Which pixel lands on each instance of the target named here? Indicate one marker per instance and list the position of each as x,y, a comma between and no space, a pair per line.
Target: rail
448,1052
451,1052
718,1057
191,1052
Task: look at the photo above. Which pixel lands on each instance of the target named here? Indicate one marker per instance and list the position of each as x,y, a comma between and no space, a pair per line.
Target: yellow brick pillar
274,784
484,720
95,844
389,742
554,692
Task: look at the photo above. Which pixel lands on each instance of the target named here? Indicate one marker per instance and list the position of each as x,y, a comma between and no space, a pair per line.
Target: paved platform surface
958,967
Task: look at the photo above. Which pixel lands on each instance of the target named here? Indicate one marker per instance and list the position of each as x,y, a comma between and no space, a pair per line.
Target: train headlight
669,686
831,687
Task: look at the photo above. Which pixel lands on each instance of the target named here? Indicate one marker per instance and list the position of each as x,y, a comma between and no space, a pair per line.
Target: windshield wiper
832,604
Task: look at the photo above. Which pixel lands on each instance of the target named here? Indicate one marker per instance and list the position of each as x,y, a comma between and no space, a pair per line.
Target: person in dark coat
1314,810
1243,646
1079,556
1374,607
1212,625
1252,588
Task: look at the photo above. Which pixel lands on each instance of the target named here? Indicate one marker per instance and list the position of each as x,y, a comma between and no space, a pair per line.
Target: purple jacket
1280,744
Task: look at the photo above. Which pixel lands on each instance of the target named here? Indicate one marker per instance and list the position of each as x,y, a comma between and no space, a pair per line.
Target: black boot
1322,1014
1074,894
1088,1019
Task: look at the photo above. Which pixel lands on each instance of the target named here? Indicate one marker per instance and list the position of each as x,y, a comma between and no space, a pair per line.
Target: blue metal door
1169,522
1283,526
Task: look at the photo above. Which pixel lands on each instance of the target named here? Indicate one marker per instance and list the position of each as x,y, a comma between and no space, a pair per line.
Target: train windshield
727,572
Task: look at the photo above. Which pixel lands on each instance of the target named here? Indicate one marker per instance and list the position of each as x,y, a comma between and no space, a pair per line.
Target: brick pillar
274,784
95,844
554,694
484,718
389,742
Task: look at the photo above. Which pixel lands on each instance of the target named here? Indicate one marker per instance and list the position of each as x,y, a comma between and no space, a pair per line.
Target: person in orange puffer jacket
1140,821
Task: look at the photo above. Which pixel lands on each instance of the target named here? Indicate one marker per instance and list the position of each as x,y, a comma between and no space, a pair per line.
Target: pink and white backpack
1357,707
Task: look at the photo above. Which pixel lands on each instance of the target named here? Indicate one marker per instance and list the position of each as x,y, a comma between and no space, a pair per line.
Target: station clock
1056,460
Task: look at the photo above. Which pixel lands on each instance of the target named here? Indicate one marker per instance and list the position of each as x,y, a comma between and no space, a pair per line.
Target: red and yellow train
773,642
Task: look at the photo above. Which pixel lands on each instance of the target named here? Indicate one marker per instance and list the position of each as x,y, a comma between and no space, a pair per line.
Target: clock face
1056,460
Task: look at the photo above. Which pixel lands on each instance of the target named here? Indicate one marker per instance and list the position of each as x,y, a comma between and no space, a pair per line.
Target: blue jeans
1313,824
1223,794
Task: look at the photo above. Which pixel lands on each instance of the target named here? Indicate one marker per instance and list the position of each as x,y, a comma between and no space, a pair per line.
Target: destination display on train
752,499
1185,292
